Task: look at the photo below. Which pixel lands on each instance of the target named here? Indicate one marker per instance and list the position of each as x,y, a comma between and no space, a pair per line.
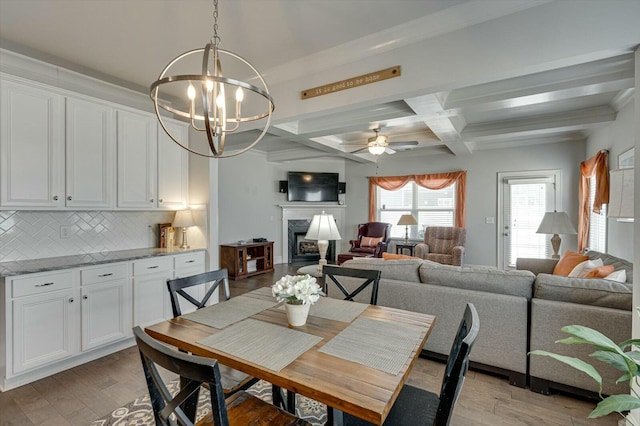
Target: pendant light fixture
212,102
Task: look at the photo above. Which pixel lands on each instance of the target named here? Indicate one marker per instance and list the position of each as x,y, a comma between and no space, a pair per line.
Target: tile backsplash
38,234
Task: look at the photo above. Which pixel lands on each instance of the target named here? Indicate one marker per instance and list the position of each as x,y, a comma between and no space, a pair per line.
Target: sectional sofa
520,310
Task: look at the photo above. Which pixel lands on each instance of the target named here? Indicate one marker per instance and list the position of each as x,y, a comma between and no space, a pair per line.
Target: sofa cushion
392,256
617,263
401,269
480,278
567,262
584,291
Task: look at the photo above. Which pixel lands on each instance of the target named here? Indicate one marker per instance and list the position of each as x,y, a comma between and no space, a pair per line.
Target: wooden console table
246,260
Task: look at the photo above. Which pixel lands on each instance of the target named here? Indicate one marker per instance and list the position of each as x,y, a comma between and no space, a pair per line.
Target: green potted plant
622,356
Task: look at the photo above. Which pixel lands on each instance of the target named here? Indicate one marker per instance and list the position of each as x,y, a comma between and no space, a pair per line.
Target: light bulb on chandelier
207,110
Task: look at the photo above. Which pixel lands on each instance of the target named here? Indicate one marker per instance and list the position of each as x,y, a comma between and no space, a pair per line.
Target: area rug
139,412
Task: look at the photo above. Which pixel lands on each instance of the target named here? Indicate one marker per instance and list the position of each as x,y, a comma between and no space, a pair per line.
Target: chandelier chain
215,39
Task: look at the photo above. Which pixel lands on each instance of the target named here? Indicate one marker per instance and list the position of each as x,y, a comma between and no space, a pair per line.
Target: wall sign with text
350,83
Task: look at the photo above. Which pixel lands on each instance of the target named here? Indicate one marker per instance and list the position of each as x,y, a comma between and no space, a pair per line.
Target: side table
400,247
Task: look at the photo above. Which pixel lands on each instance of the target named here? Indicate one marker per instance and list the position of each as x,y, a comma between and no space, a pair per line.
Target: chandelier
212,103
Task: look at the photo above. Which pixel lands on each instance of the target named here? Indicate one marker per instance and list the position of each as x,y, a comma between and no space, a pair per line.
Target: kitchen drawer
102,274
41,283
152,266
190,260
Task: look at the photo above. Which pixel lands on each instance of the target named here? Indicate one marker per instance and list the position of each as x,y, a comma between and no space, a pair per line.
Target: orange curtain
594,166
430,181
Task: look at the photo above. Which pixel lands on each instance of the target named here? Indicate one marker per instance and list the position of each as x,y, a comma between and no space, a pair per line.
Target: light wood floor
88,392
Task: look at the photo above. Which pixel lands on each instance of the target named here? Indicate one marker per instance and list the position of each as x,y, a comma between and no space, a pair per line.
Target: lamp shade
407,219
323,227
621,194
183,219
556,223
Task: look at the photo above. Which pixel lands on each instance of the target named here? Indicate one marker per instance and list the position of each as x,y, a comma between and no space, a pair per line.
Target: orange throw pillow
567,262
370,241
600,271
391,256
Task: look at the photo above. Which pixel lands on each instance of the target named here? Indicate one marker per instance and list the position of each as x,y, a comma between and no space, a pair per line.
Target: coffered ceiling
129,42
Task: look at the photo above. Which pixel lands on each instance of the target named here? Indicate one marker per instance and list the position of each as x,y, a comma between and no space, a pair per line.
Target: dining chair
232,380
416,406
371,278
195,371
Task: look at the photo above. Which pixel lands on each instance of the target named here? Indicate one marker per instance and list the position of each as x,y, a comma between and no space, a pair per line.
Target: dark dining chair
416,406
232,380
195,371
371,278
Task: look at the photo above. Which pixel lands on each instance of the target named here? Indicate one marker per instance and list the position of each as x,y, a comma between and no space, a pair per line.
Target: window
429,207
597,222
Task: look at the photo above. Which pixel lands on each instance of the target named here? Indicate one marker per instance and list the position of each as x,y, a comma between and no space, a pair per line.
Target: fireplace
302,250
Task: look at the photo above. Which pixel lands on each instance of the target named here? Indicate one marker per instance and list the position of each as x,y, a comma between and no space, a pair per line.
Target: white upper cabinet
137,160
173,167
31,146
90,154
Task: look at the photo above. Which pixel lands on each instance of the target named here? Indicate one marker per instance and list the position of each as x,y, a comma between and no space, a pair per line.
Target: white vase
297,314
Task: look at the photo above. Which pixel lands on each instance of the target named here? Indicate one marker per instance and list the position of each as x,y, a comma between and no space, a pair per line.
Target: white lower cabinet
106,305
186,265
55,320
151,302
44,328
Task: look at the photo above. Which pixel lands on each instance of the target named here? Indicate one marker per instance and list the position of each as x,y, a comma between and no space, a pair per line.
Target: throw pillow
370,241
600,271
391,256
584,267
567,262
618,276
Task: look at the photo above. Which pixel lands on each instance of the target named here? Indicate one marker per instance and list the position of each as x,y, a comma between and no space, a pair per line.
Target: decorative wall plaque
350,83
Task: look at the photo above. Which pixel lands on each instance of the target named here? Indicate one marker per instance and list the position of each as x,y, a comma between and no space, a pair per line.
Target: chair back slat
193,371
214,278
457,364
371,277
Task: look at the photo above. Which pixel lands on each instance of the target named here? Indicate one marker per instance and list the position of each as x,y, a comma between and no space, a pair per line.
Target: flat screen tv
309,186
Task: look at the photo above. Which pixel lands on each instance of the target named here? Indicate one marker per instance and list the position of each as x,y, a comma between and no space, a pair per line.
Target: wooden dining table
352,357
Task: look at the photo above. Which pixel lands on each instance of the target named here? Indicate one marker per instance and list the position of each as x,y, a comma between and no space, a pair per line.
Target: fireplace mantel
305,212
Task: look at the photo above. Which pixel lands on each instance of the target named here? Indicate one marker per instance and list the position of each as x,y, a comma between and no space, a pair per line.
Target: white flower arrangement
297,290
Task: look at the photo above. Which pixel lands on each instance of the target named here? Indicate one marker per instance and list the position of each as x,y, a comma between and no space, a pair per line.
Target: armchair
443,244
373,238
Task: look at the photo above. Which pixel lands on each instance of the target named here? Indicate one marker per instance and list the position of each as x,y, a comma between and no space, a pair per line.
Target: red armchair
373,238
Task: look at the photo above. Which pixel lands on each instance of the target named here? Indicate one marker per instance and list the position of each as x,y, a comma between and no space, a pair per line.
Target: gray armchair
443,244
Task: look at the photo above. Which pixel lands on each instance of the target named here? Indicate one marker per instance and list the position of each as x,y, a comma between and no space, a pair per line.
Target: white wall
249,199
482,187
616,137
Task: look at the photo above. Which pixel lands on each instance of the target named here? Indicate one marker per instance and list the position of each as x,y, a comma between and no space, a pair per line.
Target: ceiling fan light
376,149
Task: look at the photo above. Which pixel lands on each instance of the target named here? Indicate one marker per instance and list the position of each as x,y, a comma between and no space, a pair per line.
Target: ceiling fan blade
359,150
399,144
389,151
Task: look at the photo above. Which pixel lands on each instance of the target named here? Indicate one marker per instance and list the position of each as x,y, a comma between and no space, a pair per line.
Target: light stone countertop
29,266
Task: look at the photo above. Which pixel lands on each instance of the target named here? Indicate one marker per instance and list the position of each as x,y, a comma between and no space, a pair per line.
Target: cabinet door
45,329
106,313
151,302
31,147
185,266
137,160
90,149
173,167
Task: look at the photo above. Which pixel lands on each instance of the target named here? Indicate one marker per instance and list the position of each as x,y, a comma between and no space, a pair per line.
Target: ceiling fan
380,144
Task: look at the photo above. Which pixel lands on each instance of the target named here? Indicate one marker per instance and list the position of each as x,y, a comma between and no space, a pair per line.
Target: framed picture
625,160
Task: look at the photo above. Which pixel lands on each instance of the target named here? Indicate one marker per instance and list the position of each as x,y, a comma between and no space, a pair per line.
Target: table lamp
556,223
406,220
183,219
322,229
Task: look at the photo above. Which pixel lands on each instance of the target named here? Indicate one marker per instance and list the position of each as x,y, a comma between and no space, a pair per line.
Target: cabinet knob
55,198
69,198
160,200
71,300
151,200
85,297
